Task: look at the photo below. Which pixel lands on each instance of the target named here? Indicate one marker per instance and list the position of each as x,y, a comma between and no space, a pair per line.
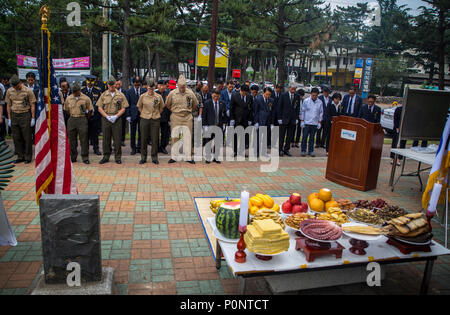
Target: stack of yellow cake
266,237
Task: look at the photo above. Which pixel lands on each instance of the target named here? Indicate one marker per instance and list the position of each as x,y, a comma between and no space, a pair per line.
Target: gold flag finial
45,12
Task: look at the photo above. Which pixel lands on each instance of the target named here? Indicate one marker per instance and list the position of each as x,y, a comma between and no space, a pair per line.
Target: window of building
328,63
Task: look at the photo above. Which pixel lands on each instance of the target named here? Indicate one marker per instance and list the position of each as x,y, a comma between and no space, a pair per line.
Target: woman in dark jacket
334,108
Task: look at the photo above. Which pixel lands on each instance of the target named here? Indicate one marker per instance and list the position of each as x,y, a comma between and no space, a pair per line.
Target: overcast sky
412,4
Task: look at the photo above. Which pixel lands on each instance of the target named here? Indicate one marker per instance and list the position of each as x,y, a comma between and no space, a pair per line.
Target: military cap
161,82
14,80
91,77
111,80
76,87
181,80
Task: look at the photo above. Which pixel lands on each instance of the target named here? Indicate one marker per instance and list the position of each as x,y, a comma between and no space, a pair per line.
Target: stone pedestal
70,226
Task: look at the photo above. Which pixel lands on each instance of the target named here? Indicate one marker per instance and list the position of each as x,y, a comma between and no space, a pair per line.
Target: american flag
54,173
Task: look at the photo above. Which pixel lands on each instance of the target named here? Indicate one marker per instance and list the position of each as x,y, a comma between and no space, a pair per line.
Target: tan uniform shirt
181,102
112,104
77,107
150,106
20,100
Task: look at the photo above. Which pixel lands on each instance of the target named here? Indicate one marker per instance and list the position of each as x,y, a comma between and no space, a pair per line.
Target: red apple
296,209
304,206
287,207
295,199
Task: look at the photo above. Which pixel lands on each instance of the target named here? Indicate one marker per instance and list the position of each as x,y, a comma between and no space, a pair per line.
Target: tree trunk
431,77
157,65
126,50
281,47
149,60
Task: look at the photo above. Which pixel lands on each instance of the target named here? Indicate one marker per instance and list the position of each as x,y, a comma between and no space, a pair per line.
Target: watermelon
227,219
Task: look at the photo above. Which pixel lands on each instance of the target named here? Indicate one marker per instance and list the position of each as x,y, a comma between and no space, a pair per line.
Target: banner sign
67,63
203,55
22,72
367,78
236,73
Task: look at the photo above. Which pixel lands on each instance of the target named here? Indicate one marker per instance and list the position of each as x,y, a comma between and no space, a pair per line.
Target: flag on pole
54,173
439,169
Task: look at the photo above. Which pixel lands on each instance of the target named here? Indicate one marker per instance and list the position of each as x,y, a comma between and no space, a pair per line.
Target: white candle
243,216
434,199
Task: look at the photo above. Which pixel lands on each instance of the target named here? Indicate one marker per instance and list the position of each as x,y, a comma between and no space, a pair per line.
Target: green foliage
387,70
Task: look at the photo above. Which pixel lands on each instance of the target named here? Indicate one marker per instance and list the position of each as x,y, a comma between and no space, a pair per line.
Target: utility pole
105,45
212,50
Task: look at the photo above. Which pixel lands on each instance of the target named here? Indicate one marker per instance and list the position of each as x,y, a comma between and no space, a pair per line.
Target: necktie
350,108
292,98
215,114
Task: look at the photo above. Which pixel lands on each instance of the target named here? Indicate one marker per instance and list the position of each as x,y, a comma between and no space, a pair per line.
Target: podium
355,153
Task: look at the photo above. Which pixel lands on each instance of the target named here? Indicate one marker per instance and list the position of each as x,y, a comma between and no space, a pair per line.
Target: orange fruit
268,201
256,201
325,195
253,210
312,196
317,205
331,204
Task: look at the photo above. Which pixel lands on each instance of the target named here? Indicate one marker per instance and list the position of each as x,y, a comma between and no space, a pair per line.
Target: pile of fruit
379,203
215,204
321,201
335,215
365,204
294,205
295,220
260,201
265,214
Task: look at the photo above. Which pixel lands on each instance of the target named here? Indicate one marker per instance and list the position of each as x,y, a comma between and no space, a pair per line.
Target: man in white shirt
311,116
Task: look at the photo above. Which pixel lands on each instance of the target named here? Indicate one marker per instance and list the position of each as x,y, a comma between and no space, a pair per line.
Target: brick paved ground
153,238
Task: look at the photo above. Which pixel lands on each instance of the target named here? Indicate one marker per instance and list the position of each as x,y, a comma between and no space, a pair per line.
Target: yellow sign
203,55
358,73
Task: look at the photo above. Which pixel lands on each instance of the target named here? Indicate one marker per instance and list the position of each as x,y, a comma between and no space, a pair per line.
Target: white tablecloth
7,237
294,260
426,158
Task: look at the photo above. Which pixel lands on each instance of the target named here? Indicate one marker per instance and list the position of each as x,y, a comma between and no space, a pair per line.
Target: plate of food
294,221
362,232
365,216
321,230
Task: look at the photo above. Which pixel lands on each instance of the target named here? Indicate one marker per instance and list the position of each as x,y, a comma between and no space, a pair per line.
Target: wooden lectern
355,153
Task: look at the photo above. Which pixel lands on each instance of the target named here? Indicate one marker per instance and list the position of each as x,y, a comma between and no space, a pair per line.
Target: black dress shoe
104,160
155,162
287,153
164,151
138,150
118,162
97,152
133,152
123,143
86,162
281,153
297,145
27,161
74,160
142,161
217,162
171,161
191,162
19,161
208,162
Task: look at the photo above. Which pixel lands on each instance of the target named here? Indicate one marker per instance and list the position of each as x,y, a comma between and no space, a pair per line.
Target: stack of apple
294,205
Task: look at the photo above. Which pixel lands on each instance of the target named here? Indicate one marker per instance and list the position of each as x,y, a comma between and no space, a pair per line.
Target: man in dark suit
279,89
288,117
321,136
241,112
214,114
264,113
132,114
165,117
352,103
225,97
205,94
371,112
334,109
